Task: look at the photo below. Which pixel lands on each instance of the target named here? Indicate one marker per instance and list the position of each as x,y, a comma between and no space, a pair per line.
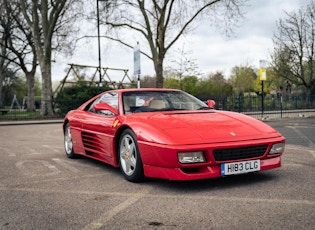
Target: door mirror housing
104,106
211,103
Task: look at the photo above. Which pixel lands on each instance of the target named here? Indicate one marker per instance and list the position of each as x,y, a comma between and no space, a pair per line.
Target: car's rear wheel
68,142
129,157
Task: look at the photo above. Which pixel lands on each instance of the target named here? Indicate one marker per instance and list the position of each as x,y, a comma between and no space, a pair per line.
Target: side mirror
104,106
211,103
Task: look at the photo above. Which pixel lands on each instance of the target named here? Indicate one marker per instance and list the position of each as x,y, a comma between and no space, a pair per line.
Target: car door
98,127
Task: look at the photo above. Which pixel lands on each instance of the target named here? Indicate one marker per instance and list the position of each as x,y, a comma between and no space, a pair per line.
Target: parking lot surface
42,189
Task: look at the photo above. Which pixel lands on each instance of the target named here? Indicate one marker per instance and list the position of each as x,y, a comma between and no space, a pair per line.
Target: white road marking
65,164
10,153
310,143
28,168
100,222
301,148
55,149
145,193
32,152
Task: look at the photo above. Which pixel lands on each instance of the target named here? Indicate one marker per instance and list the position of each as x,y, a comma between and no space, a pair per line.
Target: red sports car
167,133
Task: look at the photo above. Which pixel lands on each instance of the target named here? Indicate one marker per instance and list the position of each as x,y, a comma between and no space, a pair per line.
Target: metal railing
274,107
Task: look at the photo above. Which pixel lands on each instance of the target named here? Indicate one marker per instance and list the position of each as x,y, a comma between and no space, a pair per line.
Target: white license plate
240,167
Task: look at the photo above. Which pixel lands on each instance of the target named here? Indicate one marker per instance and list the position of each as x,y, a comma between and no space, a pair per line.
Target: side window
109,98
91,108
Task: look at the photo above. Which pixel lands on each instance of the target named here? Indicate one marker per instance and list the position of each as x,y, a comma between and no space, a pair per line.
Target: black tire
68,142
129,157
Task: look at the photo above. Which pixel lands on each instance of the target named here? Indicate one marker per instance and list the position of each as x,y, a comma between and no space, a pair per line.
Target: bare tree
294,48
5,21
19,43
3,66
45,19
183,65
162,22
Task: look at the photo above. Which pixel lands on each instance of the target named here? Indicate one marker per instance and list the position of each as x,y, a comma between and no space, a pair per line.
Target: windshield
150,101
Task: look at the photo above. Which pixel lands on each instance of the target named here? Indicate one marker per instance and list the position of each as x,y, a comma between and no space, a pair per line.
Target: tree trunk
30,92
46,94
158,65
1,86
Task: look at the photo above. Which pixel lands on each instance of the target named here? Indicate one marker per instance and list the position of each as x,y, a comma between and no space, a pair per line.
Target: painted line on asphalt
145,193
55,149
10,153
310,143
27,168
301,148
100,222
65,165
37,181
32,152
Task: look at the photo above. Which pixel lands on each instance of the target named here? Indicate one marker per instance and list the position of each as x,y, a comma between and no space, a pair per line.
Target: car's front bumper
200,172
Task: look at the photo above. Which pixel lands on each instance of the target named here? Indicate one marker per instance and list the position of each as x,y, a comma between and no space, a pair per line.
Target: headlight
191,157
277,148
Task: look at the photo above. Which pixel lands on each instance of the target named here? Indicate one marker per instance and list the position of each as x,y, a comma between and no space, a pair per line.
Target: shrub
72,97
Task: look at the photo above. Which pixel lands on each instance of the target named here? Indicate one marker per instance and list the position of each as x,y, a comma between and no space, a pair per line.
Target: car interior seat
157,104
126,107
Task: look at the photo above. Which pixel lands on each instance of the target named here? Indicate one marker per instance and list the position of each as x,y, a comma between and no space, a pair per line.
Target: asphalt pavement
40,188
297,131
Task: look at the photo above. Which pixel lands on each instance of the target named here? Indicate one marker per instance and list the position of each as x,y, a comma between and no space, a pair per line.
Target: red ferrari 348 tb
170,134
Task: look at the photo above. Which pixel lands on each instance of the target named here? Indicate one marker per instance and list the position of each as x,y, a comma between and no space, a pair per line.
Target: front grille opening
190,170
239,153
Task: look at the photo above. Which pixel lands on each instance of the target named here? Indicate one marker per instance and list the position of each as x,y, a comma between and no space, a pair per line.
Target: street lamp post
99,45
136,62
262,76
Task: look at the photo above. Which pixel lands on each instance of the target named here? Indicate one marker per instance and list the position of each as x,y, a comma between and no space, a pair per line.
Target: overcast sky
211,50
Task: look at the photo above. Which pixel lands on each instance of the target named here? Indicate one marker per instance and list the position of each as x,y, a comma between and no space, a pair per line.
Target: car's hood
200,127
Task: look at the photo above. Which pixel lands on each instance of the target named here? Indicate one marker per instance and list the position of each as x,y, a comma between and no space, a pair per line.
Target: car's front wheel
129,157
68,142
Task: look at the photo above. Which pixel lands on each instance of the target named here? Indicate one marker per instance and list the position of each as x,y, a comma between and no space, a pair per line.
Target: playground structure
111,77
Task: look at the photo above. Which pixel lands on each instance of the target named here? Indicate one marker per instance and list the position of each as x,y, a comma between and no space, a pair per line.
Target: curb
30,122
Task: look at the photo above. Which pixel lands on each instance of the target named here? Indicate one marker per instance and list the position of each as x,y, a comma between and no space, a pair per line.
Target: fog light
191,157
277,148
